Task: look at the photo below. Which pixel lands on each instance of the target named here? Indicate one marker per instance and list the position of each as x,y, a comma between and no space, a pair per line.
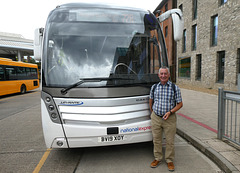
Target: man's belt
159,115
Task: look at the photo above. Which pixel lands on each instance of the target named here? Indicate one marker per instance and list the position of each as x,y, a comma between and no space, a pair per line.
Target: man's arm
175,109
150,104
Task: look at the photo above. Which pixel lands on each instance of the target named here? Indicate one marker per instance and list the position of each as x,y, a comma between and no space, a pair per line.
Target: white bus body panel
91,135
51,130
85,121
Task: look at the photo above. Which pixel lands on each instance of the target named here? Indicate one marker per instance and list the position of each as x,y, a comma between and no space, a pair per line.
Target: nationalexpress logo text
135,129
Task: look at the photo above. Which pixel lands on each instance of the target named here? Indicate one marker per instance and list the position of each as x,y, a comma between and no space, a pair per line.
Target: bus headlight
51,108
48,99
54,116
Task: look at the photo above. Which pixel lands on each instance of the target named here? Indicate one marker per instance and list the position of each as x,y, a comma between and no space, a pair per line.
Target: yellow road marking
42,161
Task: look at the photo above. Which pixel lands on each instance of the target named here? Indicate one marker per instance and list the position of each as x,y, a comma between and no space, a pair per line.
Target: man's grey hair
164,68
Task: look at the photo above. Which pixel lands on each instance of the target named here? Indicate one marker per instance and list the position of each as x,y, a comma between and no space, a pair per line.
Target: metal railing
229,115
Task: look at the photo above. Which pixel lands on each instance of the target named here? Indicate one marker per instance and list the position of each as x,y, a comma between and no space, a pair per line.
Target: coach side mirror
177,19
38,37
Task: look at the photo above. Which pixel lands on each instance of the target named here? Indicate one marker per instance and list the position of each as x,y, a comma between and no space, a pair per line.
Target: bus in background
98,65
17,77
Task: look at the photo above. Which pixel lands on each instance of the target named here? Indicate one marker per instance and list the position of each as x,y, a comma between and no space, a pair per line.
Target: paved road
21,144
16,103
22,147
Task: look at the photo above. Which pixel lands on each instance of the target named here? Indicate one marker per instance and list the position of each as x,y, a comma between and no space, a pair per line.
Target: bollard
220,113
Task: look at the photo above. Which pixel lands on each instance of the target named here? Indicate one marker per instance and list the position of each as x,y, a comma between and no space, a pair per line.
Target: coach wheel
23,89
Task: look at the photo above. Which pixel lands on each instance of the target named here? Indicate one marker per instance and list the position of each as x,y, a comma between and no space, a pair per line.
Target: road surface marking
42,161
197,122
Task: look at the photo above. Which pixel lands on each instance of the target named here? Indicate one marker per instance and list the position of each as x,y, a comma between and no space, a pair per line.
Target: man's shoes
170,166
155,163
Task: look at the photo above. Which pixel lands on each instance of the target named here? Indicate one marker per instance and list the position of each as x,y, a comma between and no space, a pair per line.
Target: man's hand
165,117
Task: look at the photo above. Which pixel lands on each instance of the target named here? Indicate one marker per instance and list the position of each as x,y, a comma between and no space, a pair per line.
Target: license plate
111,138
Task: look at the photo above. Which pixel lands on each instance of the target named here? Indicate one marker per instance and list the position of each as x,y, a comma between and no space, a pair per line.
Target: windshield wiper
81,81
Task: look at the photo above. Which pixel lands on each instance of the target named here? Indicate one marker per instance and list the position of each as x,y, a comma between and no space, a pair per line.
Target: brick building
167,27
208,55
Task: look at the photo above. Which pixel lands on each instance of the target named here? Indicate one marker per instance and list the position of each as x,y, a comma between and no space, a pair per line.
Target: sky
24,16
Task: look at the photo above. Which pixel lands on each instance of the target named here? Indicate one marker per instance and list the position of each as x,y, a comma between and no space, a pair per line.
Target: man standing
165,100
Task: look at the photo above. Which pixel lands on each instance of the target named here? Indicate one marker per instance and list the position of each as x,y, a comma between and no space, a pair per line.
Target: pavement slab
197,123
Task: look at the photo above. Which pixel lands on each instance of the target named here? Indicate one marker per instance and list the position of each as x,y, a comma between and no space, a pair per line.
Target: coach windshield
84,44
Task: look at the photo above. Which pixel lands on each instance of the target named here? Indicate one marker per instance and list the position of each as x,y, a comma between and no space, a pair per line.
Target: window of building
194,37
194,9
198,66
238,65
221,2
214,30
238,59
184,40
220,63
166,31
166,7
184,67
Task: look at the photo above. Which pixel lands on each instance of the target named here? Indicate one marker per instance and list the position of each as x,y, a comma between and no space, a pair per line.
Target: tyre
23,89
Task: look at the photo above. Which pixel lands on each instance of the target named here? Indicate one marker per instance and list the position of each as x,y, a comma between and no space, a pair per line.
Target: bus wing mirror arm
177,18
168,14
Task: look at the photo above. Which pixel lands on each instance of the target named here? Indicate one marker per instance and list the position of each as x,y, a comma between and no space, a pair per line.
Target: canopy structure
15,46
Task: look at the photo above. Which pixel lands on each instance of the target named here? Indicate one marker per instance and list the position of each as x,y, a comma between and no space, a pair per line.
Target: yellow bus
17,77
